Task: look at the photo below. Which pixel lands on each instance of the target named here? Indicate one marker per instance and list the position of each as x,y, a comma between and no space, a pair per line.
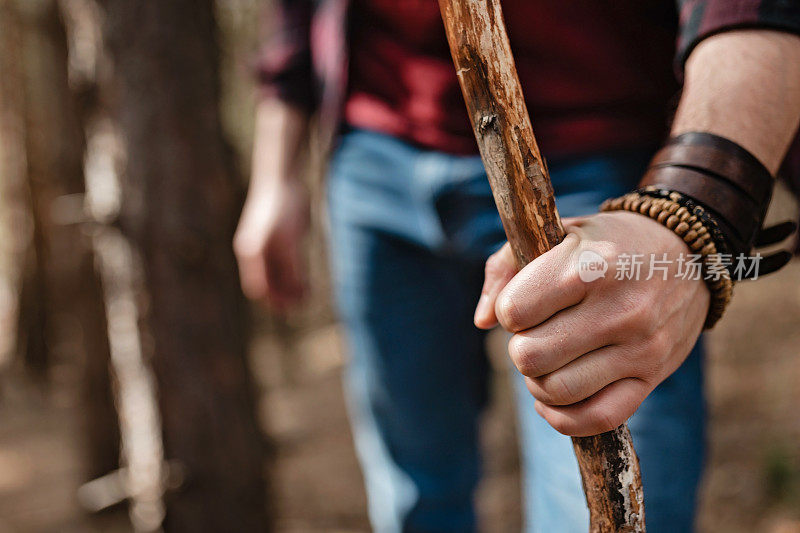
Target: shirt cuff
700,19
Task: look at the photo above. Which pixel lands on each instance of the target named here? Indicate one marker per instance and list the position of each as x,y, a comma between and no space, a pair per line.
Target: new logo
591,266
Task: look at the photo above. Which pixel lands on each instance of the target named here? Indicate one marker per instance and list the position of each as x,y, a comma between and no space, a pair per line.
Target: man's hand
591,351
268,244
274,221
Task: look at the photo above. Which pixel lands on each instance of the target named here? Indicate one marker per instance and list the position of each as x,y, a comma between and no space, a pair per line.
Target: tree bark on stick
524,196
180,203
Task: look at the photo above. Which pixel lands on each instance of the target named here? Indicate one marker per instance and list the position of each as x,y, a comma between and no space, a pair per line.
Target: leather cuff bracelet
730,183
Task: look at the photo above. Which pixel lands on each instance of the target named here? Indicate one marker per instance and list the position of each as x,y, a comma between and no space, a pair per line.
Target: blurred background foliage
138,393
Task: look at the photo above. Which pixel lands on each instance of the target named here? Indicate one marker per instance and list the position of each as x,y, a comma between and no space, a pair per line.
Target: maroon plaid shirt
305,61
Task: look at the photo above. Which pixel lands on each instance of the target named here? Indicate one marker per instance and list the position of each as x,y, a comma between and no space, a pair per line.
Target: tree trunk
32,343
62,303
14,200
180,205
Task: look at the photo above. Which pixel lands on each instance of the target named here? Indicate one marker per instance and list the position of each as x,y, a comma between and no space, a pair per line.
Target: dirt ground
752,483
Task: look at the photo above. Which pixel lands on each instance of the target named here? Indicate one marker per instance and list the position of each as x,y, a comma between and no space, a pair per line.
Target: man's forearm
280,134
744,85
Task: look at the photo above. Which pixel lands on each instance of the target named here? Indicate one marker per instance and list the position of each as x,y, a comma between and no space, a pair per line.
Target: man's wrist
744,85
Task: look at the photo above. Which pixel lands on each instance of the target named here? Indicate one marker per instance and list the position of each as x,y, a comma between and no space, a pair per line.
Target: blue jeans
409,233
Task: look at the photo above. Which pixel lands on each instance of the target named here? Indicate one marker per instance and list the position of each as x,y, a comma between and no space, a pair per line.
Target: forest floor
752,481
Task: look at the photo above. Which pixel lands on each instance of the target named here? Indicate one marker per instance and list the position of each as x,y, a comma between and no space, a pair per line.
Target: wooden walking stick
524,196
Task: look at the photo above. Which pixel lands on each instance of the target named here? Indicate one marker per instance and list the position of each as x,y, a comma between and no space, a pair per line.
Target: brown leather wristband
740,212
717,156
721,176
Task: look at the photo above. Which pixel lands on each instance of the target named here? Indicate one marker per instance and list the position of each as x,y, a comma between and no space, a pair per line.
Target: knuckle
560,425
660,341
519,353
516,351
649,316
508,312
658,349
610,252
526,356
499,263
493,265
607,420
613,250
570,282
569,279
599,420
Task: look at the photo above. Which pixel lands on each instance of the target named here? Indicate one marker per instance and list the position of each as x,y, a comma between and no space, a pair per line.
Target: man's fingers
500,268
285,276
560,339
253,276
601,412
579,379
544,287
274,275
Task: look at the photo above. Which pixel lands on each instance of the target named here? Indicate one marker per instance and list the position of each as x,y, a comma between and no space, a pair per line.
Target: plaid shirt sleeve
702,18
283,64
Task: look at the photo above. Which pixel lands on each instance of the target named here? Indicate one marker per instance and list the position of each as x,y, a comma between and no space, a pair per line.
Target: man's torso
597,74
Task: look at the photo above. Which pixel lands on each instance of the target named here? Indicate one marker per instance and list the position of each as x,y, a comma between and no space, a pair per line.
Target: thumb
500,268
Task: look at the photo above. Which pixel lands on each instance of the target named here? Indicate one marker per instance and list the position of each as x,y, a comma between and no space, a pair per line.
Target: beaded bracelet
697,229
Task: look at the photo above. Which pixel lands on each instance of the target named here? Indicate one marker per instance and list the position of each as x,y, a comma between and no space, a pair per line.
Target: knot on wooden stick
486,122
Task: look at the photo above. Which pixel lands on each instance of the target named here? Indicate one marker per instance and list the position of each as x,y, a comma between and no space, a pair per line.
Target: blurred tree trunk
180,204
62,300
31,330
14,197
